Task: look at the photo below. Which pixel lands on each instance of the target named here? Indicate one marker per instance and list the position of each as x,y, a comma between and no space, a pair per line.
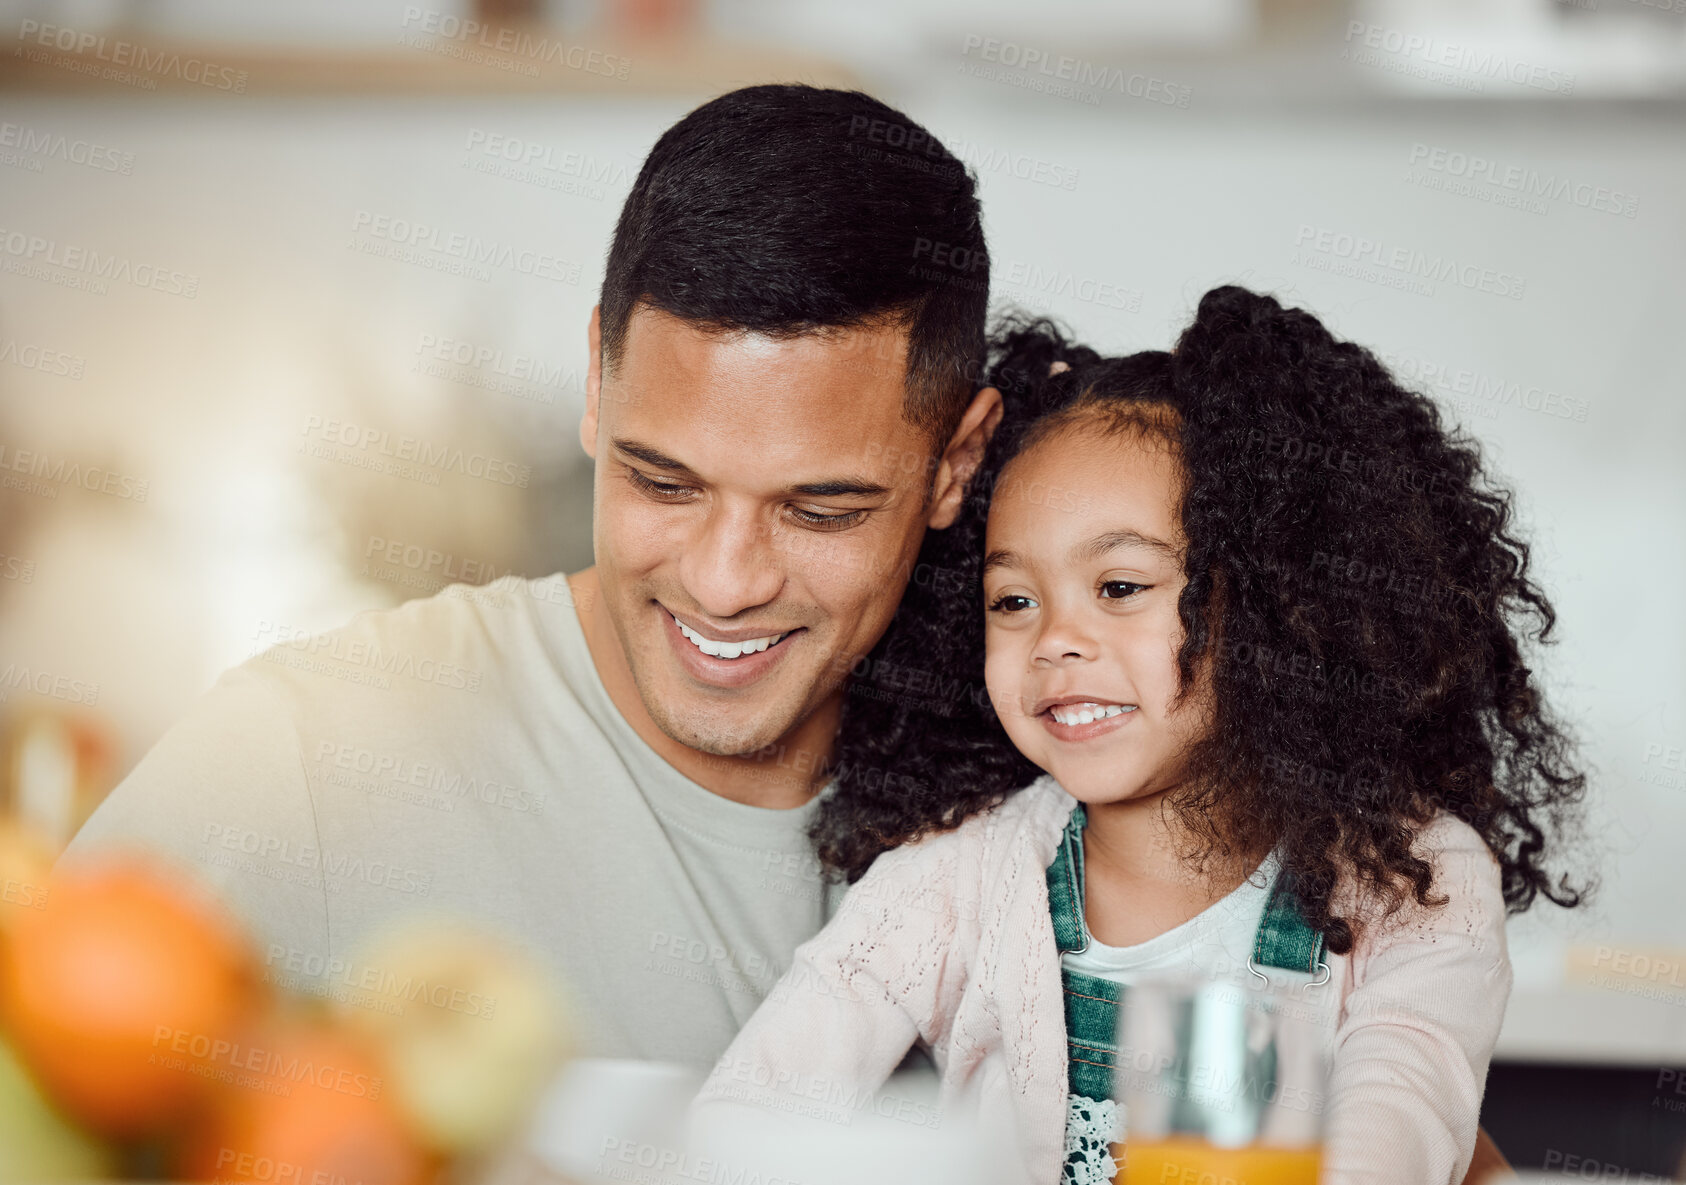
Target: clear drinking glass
1222,1082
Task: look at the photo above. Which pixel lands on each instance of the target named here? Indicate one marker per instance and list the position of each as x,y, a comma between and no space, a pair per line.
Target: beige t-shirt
458,755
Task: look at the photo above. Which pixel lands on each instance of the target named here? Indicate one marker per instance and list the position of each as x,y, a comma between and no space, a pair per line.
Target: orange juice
1195,1162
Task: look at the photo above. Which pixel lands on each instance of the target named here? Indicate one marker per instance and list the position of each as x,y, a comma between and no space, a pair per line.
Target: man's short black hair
791,209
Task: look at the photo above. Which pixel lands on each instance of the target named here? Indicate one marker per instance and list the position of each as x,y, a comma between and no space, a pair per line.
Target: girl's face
1082,570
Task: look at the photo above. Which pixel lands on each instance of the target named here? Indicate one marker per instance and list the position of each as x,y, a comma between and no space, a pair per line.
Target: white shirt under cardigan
1214,944
948,942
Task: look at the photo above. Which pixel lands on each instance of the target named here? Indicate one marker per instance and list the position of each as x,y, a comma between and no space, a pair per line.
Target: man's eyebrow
840,487
999,558
837,487
1097,547
649,455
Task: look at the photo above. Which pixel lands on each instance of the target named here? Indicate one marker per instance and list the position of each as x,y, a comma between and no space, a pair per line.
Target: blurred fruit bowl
137,1039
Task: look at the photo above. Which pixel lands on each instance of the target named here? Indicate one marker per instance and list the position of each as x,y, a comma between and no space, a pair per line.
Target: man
617,769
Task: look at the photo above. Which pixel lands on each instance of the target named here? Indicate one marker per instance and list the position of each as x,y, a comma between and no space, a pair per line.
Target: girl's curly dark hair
1354,583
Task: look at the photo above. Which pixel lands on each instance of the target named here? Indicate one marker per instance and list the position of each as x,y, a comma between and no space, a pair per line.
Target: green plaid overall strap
1285,941
1091,1003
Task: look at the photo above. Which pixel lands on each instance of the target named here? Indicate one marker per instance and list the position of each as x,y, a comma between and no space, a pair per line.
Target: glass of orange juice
1222,1084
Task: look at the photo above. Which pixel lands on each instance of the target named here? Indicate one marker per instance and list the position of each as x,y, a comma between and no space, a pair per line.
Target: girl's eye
659,489
1011,603
1117,590
827,522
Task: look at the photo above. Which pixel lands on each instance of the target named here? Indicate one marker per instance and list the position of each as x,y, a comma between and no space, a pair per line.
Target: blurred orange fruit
121,992
25,861
304,1103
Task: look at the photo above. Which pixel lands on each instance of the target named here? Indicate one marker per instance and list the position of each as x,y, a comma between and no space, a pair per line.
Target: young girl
1257,618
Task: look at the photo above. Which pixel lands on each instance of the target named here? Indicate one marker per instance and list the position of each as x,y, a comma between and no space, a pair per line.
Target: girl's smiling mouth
1079,717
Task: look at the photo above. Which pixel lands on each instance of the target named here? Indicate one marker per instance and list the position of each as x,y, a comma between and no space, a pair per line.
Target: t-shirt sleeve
1419,1026
224,798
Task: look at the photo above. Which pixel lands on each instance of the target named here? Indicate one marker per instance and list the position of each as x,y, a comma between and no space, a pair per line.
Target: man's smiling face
760,503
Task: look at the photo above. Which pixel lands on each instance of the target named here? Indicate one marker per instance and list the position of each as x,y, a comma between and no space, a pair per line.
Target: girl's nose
1064,639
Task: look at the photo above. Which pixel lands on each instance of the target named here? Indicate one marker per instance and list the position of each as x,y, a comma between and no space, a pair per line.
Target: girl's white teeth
727,649
1088,713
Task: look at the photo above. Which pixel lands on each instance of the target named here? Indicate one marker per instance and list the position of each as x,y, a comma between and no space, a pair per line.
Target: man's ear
593,383
960,460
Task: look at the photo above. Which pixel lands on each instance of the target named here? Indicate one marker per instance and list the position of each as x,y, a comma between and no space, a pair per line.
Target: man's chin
719,738
708,728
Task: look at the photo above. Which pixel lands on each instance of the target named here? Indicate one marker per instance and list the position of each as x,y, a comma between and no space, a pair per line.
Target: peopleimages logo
1022,165
539,155
1523,181
53,146
273,641
479,365
33,357
1491,390
65,472
272,851
292,963
331,433
503,39
1028,65
1417,54
463,249
1362,251
17,677
27,254
118,52
1035,285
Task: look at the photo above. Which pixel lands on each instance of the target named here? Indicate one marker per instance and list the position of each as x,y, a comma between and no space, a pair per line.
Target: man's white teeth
728,649
1088,713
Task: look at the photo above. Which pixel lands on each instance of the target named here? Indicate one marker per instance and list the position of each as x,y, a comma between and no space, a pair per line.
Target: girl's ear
963,456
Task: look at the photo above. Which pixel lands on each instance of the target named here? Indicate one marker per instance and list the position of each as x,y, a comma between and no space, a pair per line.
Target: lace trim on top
1091,1128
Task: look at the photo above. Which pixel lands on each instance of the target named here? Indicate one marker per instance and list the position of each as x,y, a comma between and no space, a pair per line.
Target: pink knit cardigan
948,942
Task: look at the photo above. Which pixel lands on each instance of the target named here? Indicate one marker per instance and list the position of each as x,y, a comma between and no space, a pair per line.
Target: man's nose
730,565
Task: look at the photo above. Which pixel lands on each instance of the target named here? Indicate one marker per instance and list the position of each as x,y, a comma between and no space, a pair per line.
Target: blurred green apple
471,1027
36,1142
